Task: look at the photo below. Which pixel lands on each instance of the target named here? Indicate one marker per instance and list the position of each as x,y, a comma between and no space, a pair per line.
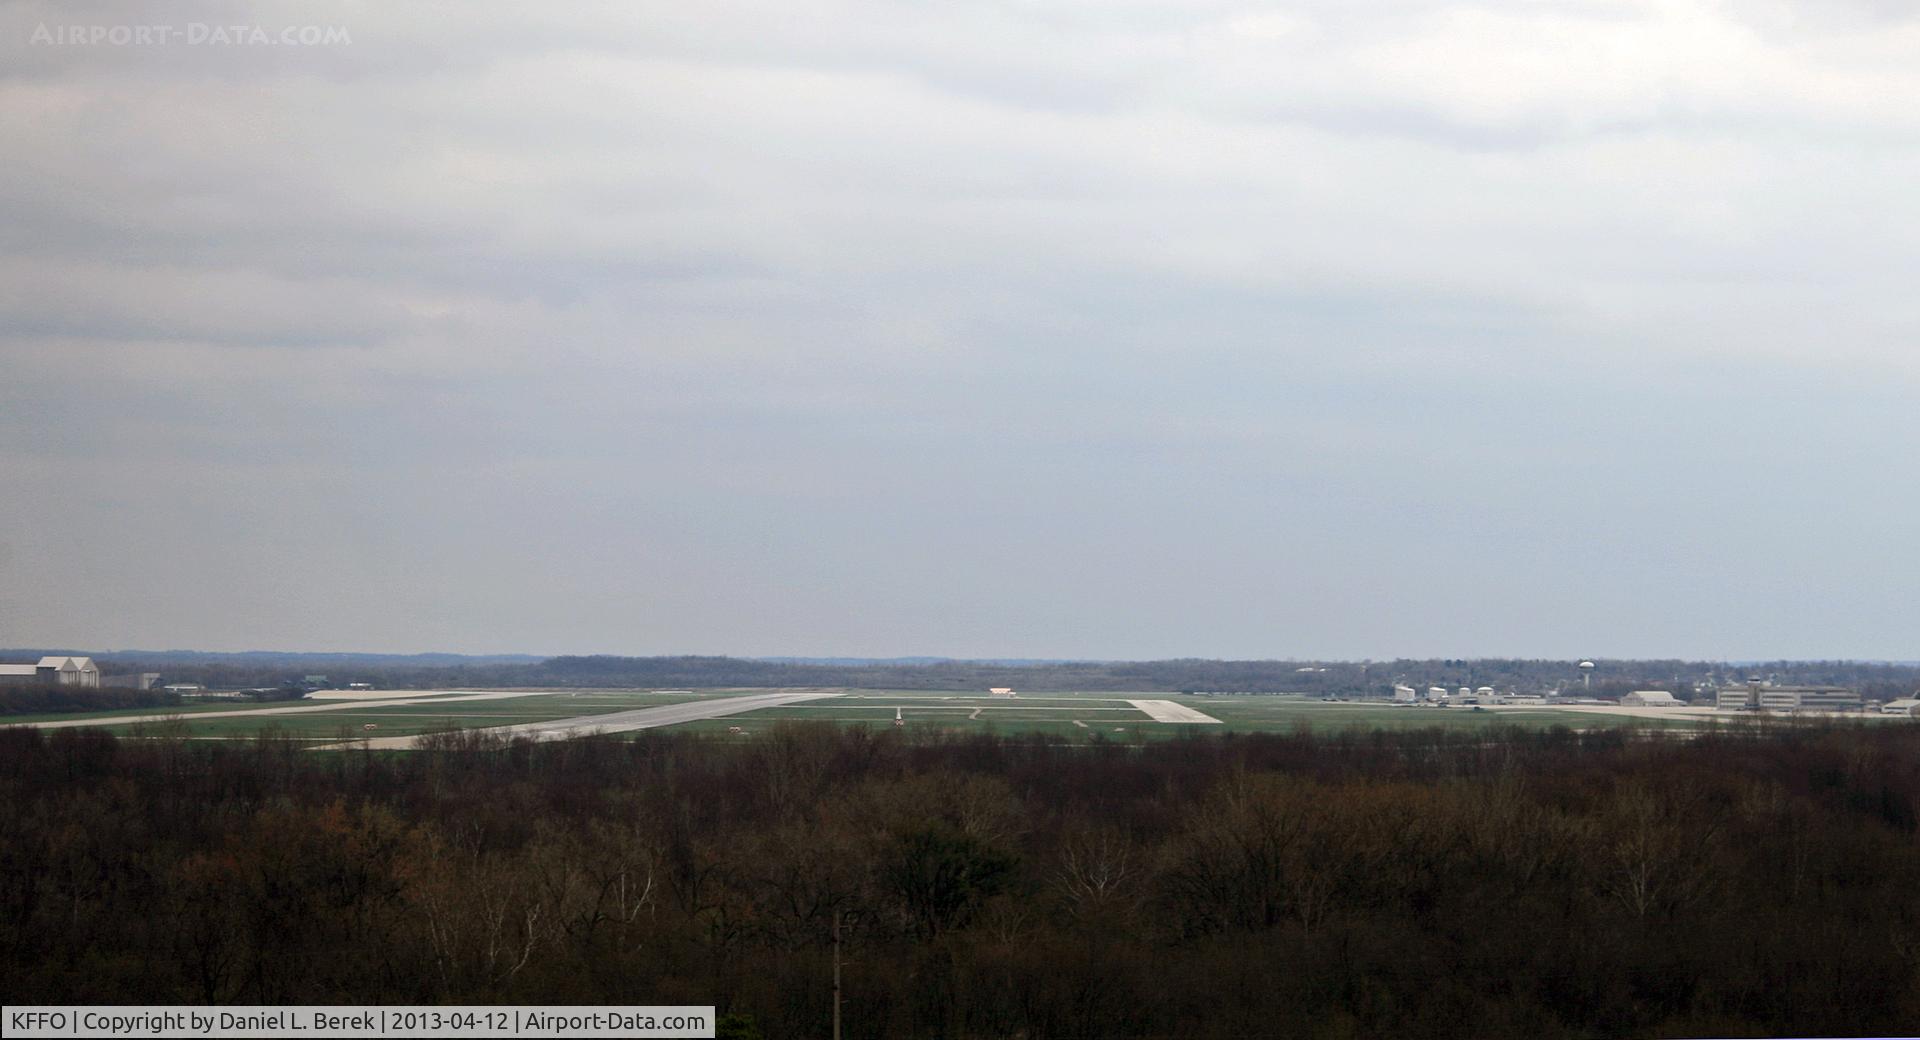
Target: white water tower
1586,674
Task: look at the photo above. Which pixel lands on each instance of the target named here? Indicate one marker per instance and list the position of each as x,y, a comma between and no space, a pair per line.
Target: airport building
53,671
132,680
1761,696
1649,699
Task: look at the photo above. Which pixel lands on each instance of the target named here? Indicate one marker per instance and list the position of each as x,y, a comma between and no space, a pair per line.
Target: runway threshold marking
1168,711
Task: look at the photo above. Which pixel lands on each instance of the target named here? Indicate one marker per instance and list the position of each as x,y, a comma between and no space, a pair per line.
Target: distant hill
1318,678
292,657
267,668
863,662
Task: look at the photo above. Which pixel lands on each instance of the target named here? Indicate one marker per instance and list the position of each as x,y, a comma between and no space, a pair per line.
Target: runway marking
1168,711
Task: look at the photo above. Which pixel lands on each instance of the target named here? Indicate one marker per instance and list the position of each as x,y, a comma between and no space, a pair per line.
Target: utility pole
836,973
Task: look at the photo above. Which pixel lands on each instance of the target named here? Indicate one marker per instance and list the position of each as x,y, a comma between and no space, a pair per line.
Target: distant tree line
1500,883
48,698
1329,678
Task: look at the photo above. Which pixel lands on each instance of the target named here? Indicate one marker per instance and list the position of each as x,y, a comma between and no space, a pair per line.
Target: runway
622,721
356,704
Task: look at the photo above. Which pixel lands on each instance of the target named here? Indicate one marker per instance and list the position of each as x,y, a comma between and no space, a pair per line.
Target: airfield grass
399,719
328,725
198,706
1078,717
192,708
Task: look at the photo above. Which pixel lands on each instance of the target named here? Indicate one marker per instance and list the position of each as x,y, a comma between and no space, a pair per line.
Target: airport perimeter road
623,721
296,709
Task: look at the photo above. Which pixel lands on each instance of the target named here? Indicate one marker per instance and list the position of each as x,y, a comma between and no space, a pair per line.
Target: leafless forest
1530,884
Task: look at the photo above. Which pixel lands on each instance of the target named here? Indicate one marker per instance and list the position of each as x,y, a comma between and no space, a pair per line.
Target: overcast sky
1109,328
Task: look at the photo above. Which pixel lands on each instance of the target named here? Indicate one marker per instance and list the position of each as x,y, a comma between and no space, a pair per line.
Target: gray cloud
1023,329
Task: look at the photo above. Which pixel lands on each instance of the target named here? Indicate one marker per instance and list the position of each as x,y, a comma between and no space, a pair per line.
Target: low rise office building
1762,696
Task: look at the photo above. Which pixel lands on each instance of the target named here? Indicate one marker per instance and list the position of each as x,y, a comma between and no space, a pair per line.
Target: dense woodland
1328,678
1764,880
48,698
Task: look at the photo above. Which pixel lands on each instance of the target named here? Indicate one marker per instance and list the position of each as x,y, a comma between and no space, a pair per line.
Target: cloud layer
1025,329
